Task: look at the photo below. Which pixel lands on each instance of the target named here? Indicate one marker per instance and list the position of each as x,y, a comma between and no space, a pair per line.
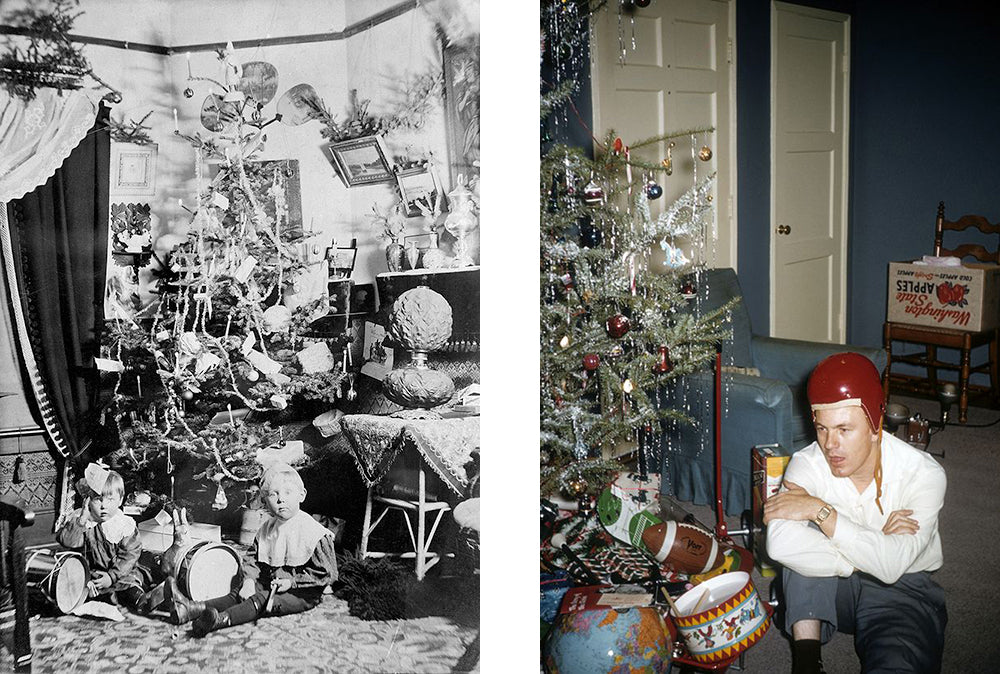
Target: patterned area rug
325,639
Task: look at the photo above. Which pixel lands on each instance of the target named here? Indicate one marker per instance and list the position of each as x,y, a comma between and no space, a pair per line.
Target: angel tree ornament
421,322
462,221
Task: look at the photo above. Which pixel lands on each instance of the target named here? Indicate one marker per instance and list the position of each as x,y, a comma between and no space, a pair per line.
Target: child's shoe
182,609
209,621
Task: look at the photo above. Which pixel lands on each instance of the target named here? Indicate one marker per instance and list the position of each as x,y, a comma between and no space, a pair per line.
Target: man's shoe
182,609
209,621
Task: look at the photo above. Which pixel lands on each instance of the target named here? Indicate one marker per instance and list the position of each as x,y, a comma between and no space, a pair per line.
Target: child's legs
284,603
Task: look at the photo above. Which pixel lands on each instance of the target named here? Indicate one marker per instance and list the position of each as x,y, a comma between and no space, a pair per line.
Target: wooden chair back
965,222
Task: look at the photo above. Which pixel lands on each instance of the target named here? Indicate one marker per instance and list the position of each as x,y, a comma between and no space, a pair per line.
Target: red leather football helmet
847,379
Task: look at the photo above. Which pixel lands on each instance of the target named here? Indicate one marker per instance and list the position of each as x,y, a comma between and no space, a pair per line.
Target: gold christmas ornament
577,486
705,153
564,342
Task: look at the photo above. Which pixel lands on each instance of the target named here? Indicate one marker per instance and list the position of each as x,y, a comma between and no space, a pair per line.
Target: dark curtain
59,237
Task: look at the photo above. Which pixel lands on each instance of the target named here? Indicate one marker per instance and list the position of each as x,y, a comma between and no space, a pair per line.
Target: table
445,445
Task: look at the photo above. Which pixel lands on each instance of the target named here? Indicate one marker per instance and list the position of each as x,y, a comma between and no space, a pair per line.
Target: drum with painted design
722,617
206,570
57,577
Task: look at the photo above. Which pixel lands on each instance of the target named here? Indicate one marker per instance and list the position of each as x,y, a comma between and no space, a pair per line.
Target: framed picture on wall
133,169
361,161
461,103
418,185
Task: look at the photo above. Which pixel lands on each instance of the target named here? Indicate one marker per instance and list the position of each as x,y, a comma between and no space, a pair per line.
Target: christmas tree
210,370
615,332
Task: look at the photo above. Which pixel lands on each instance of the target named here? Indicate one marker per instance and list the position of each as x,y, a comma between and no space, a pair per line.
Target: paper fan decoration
216,113
300,104
259,81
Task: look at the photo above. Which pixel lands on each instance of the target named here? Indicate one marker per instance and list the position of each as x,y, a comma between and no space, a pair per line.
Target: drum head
209,571
70,584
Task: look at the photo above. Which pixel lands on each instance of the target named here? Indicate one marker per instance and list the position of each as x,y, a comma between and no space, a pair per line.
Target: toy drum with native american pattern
58,577
722,617
206,569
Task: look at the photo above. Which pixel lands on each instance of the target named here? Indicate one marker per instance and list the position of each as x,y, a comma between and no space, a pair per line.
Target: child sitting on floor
108,539
291,561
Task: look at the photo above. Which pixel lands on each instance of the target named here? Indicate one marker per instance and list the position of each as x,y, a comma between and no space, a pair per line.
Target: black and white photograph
212,456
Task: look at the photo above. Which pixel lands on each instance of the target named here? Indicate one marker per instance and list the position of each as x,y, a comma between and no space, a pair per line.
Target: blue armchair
770,408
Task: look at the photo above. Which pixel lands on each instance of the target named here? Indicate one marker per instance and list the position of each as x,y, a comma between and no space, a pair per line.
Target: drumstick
270,598
700,599
673,606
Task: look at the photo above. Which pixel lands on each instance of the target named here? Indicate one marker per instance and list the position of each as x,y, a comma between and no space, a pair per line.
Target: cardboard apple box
157,534
958,298
768,468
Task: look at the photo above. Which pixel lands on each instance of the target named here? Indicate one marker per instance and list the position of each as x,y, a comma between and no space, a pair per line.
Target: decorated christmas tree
615,330
209,369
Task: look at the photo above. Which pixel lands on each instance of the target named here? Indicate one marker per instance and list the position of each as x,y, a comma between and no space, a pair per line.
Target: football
682,547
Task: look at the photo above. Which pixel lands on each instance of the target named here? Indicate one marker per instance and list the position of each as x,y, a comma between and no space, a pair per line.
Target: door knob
784,229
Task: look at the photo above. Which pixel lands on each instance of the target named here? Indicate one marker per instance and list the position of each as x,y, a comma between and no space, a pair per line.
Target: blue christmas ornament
653,191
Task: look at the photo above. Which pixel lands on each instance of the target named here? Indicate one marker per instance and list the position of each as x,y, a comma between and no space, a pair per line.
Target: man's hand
101,580
900,522
794,504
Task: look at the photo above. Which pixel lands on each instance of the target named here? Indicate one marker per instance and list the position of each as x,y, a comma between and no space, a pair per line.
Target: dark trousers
896,628
245,610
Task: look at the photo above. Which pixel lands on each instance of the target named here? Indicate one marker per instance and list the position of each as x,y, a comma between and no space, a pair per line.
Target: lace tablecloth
444,444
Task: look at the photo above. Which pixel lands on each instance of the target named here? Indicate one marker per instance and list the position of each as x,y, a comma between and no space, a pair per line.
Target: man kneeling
856,528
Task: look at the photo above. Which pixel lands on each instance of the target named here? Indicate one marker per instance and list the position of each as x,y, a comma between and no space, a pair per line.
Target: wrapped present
157,534
552,588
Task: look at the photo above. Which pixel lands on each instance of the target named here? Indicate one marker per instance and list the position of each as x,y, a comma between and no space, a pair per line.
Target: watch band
823,513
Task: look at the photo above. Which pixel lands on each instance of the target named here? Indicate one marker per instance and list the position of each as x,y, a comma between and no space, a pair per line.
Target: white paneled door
667,68
809,120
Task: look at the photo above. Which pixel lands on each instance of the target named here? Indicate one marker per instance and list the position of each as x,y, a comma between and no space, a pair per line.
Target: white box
157,537
958,298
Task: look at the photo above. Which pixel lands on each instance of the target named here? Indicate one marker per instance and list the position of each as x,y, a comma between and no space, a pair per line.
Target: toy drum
721,617
60,578
206,570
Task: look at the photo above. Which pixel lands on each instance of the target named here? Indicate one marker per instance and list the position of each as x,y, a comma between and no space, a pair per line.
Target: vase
412,255
394,256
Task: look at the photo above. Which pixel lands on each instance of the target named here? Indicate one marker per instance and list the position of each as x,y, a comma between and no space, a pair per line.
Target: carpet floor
325,639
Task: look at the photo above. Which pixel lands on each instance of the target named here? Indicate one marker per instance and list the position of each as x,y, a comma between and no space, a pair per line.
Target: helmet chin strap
878,470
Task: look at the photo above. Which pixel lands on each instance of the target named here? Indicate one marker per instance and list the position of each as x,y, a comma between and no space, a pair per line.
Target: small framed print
419,185
361,161
422,241
341,261
133,169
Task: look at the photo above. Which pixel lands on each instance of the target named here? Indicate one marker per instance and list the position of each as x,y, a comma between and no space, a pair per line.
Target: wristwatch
823,513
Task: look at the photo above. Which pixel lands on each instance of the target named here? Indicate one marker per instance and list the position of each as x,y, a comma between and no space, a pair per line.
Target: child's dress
112,547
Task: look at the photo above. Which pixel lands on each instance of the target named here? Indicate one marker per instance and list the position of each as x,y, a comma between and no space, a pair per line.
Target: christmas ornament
642,3
663,364
688,290
587,295
585,506
187,395
618,146
673,257
627,386
616,351
567,280
189,93
593,195
564,342
577,486
653,191
591,362
705,153
668,163
618,325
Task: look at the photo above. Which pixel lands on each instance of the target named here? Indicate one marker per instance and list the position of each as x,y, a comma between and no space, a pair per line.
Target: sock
806,657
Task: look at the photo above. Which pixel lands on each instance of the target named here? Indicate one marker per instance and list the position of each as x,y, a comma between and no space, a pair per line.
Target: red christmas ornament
688,290
593,195
618,145
591,362
618,325
663,364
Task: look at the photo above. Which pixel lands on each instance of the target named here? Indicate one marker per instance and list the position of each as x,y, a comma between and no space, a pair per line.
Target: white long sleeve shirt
911,480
